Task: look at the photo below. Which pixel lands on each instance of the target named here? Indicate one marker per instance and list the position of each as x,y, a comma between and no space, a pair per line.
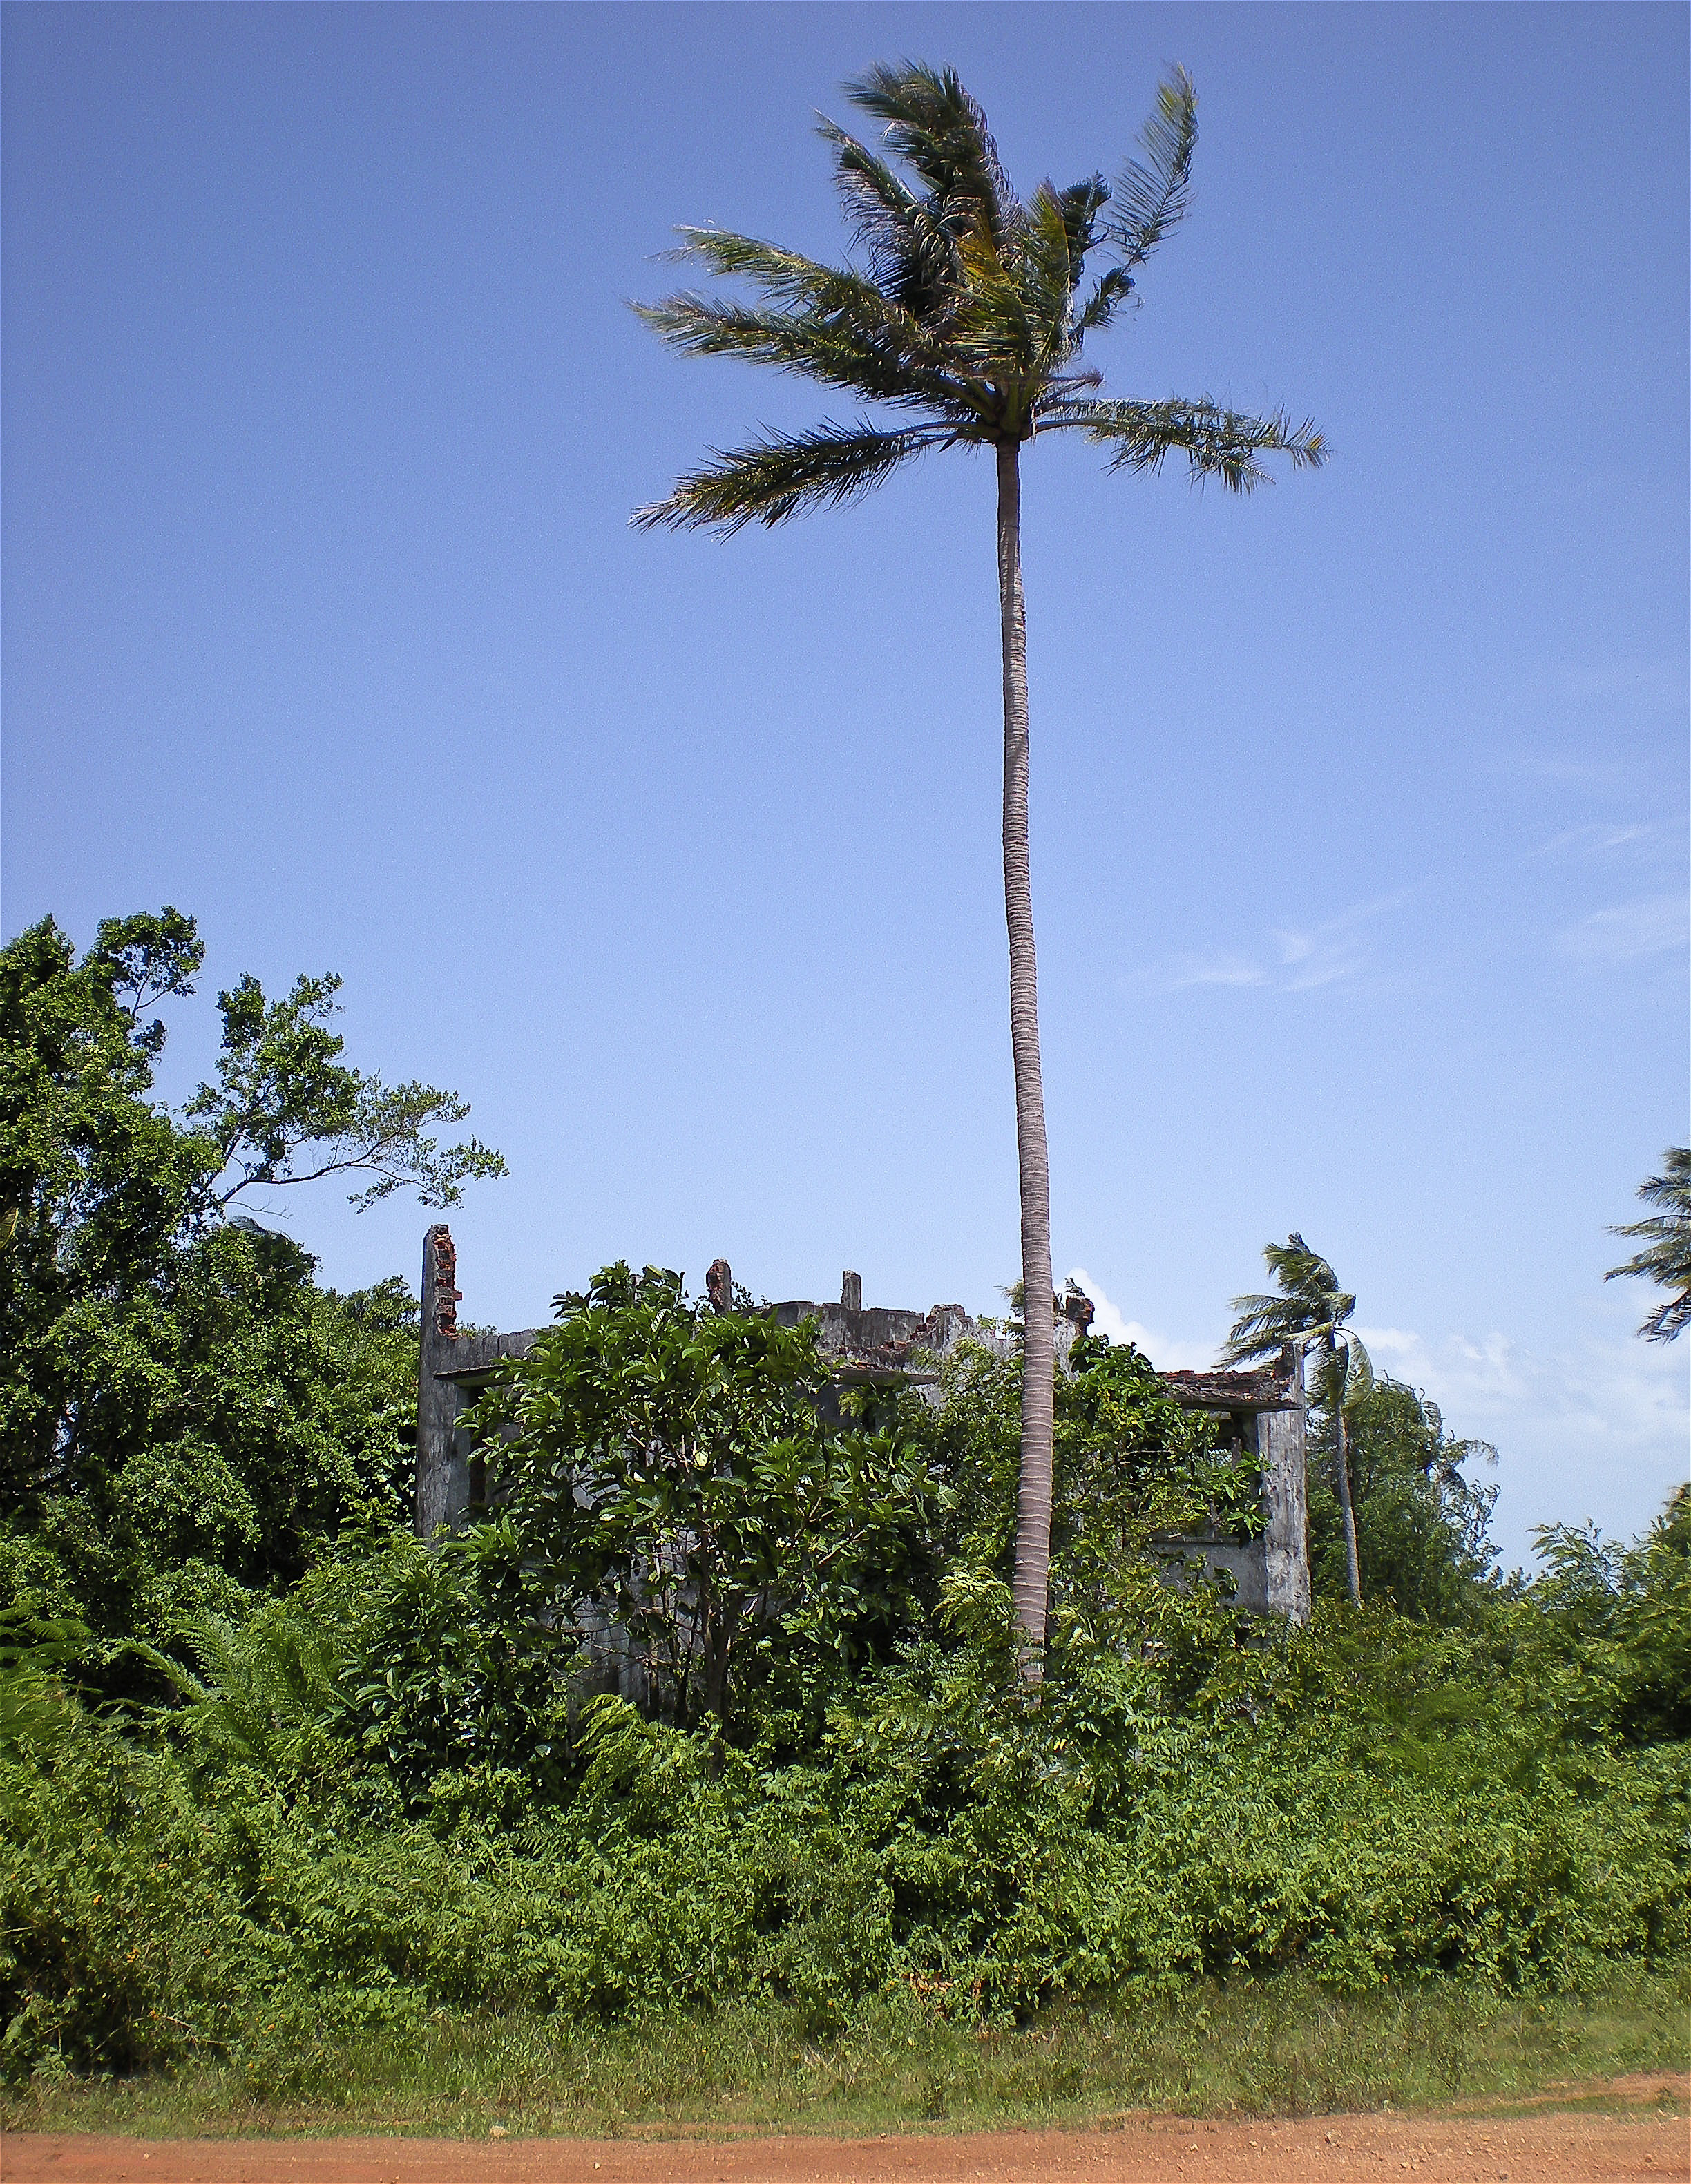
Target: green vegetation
1285,2045
1666,1258
185,1416
965,317
287,1794
670,1467
1422,1524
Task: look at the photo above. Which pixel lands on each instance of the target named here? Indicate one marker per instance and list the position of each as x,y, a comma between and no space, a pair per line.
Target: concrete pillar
1285,1538
440,1493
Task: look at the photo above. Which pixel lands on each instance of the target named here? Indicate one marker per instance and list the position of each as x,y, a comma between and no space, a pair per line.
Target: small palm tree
1310,1311
1666,1258
966,318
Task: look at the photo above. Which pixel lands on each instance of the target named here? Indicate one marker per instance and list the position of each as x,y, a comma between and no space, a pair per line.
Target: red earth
1617,2138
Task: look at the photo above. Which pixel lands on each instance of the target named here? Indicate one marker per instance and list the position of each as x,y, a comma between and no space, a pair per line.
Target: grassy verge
1282,2046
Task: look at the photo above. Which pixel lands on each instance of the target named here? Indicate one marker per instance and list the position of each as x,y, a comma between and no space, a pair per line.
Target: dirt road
1624,2140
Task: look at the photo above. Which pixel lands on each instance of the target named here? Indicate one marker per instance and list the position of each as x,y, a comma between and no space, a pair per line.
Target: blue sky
1359,808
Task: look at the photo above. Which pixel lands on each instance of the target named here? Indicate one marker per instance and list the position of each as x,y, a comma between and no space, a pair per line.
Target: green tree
183,1408
669,1466
1308,1311
1130,1463
1666,1237
967,320
1422,1525
1619,1640
287,1109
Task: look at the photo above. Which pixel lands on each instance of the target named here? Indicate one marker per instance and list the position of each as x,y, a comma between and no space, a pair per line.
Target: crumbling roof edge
1232,1391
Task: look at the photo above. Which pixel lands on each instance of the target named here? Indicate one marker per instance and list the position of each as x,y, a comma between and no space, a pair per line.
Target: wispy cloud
1593,840
1628,931
1292,960
1175,973
1321,954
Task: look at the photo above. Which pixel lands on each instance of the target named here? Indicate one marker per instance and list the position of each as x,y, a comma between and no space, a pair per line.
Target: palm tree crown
1309,1307
969,312
1667,1236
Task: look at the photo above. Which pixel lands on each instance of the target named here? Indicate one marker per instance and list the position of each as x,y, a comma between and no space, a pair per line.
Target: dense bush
671,1470
1376,1803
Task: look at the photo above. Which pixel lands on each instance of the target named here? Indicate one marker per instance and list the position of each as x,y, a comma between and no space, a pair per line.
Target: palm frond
1113,289
1048,264
1216,442
887,360
934,126
1302,1273
1151,196
801,287
785,474
786,278
1308,1306
1666,1237
1262,1327
912,258
1080,205
1345,1375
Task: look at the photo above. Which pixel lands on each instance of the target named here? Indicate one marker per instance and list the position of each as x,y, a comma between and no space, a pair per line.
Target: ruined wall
1264,1411
453,1369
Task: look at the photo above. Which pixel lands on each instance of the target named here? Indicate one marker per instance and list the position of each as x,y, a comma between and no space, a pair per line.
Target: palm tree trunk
1033,1500
1341,1475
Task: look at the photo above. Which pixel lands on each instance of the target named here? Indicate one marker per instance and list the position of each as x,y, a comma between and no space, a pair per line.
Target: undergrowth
1285,2046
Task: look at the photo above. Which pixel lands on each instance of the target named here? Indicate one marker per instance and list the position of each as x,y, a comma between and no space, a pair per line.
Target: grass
1282,2047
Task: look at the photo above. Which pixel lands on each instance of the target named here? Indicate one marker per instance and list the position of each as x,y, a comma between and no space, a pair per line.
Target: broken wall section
1263,1412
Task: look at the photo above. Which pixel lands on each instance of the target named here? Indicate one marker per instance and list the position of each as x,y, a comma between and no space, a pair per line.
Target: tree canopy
183,1410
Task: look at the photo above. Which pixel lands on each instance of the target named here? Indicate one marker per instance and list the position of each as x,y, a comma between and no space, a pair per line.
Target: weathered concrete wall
1285,1543
453,1369
1264,1411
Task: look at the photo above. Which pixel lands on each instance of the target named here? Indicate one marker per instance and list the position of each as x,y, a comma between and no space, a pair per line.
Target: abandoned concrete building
1262,1412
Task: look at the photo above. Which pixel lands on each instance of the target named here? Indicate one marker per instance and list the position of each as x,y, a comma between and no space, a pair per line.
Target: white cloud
1297,960
1320,957
1595,1429
1174,974
1167,1353
1628,931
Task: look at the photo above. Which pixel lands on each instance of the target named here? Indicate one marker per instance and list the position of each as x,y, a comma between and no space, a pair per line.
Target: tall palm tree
1310,1311
965,314
1666,1258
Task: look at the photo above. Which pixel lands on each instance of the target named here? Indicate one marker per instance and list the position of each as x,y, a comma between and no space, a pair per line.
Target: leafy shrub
1372,1800
670,1469
1615,1624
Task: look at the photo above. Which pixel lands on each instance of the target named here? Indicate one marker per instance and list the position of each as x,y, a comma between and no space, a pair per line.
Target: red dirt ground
1620,2143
